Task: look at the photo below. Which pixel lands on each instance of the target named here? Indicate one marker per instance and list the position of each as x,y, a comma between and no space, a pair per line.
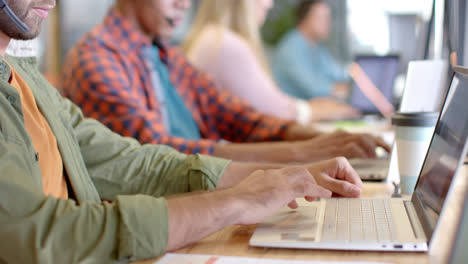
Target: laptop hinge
415,223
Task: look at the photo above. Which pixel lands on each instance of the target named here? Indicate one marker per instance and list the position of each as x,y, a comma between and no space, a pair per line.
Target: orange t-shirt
44,141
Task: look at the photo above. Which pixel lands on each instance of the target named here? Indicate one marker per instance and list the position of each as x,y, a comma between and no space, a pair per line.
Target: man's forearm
195,216
271,152
287,151
238,171
297,132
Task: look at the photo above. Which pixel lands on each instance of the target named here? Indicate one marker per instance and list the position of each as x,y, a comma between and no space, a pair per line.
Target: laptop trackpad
294,225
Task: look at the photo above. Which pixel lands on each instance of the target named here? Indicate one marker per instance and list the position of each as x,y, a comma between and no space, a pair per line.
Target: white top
232,64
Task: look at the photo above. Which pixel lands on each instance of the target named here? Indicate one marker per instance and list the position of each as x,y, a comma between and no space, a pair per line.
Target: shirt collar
162,48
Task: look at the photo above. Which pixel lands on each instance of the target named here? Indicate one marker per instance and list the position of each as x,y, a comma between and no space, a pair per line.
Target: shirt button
11,99
36,156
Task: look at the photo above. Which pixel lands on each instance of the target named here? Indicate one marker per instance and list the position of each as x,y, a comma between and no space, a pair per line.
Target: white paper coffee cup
413,134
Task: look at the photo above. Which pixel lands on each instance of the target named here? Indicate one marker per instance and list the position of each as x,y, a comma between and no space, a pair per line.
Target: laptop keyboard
358,220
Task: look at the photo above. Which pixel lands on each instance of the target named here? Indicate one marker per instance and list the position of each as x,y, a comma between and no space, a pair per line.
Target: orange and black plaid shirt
107,74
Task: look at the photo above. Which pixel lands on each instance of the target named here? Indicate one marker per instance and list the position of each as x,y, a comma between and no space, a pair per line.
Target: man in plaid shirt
113,76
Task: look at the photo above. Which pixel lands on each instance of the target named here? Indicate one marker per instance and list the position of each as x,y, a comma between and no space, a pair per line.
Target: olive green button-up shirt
100,165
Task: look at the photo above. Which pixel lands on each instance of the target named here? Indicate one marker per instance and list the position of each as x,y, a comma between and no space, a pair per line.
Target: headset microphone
12,16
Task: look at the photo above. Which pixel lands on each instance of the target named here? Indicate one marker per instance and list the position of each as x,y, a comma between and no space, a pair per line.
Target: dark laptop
382,71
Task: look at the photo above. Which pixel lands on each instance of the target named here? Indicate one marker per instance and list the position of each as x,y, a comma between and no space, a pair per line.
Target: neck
4,41
127,10
307,34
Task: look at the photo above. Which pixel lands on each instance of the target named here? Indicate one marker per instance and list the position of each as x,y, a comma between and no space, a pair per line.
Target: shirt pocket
12,126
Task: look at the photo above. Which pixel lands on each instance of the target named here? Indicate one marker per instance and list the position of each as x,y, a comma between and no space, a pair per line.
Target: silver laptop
382,224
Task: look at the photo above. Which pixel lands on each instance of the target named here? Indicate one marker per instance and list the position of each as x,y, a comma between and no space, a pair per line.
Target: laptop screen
382,71
445,152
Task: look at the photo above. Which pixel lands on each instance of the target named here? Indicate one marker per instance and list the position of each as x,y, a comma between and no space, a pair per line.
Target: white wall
78,17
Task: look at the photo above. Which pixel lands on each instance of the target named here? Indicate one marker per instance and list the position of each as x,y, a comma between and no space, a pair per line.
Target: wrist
315,112
229,177
296,152
234,206
303,112
298,132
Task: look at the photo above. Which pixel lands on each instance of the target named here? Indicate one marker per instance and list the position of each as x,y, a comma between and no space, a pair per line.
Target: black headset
5,8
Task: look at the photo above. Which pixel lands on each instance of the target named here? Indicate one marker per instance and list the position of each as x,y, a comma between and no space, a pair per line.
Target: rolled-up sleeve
41,229
51,230
143,233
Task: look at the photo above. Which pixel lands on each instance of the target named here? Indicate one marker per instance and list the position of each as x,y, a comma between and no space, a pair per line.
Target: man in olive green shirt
144,219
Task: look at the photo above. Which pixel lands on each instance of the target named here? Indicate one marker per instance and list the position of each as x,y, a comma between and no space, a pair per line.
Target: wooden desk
234,241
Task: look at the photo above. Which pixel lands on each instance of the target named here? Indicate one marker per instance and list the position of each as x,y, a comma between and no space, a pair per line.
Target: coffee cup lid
415,119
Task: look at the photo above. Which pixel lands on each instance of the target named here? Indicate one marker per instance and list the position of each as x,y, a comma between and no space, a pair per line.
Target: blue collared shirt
177,118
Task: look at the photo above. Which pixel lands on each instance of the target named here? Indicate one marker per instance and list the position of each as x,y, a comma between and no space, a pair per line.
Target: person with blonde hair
225,42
